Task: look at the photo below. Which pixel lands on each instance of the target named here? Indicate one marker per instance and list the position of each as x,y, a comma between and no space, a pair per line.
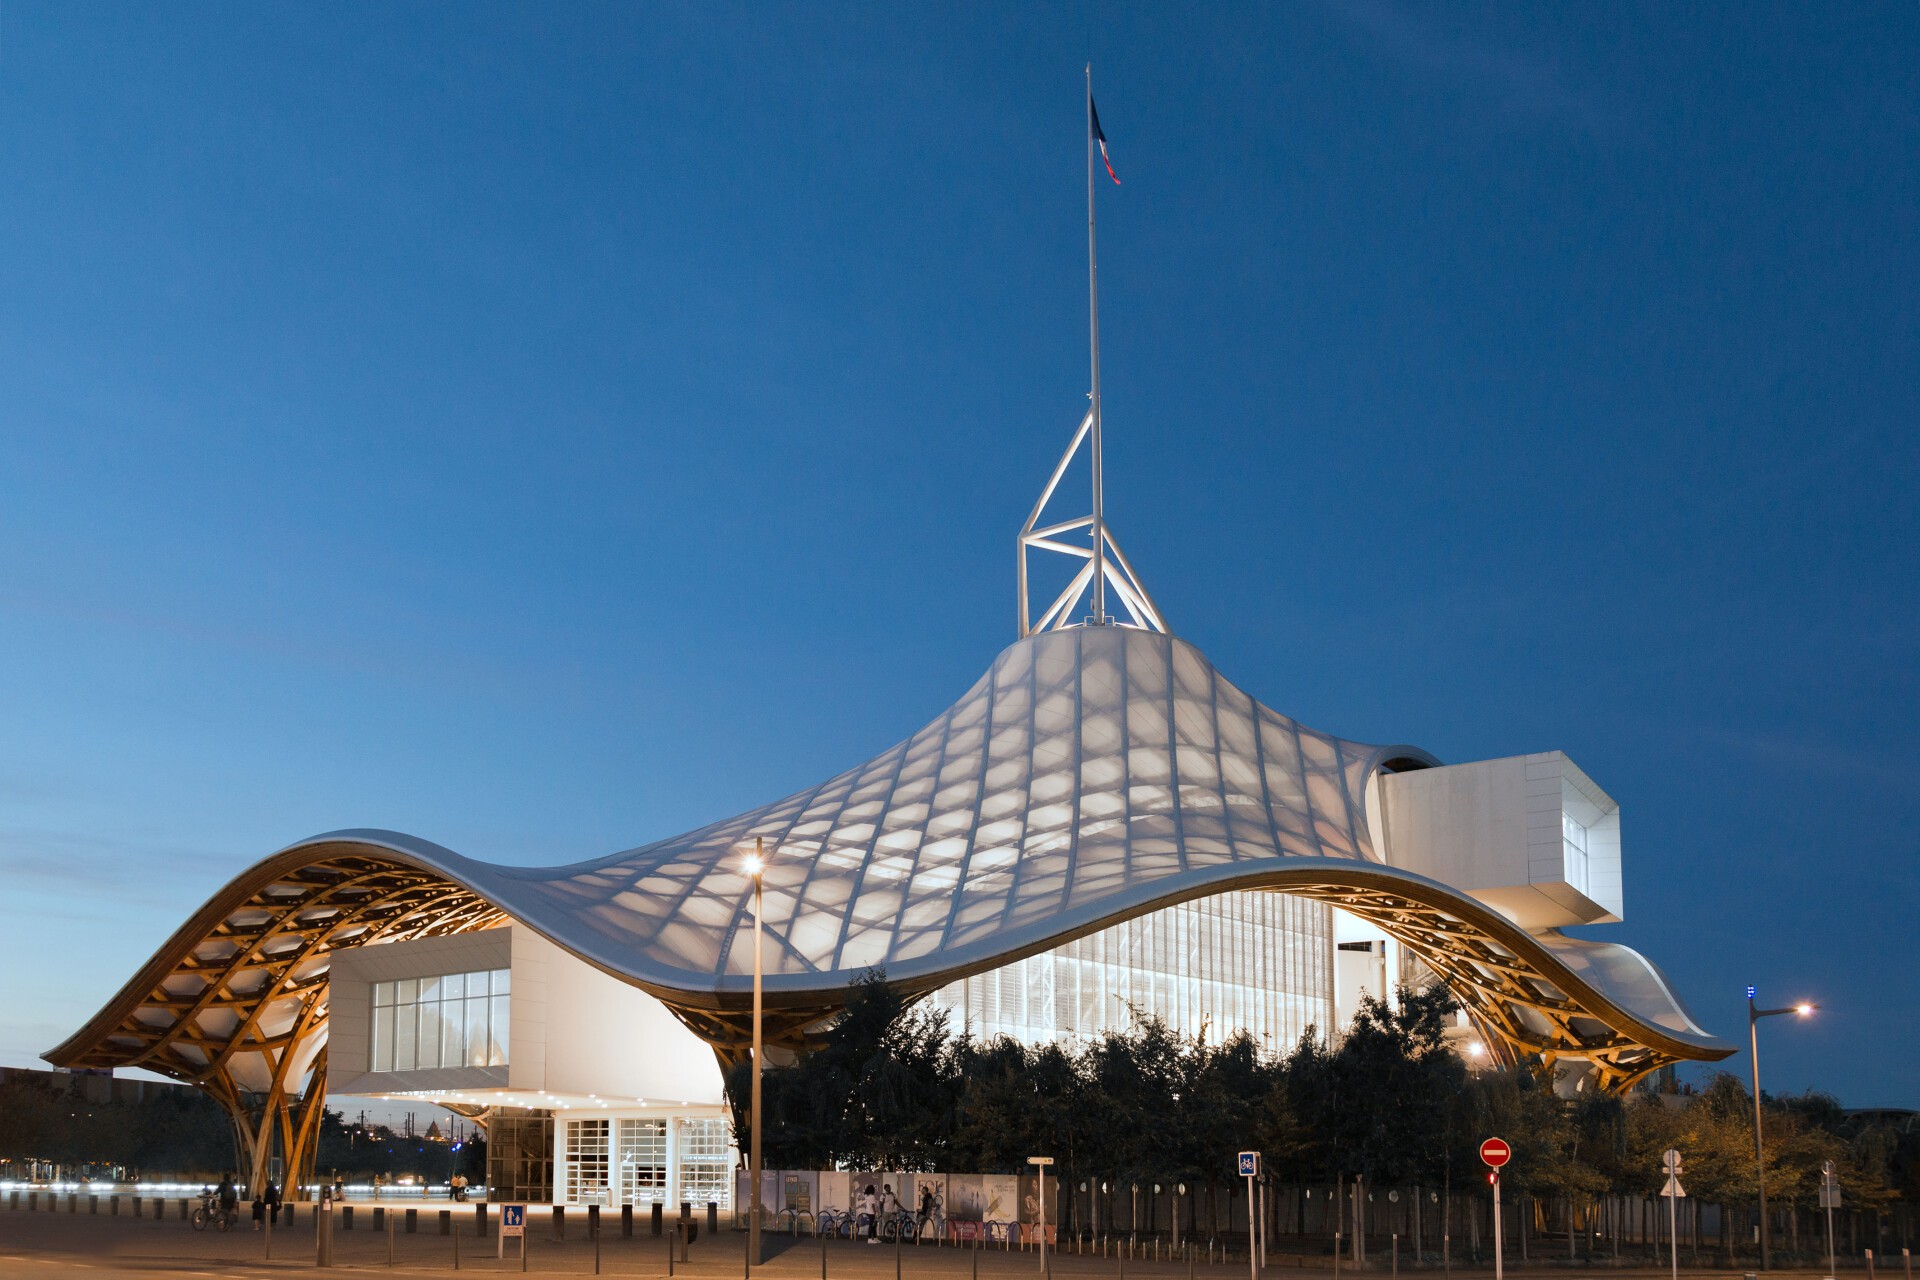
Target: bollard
413,1221
626,1222
346,1217
93,1202
657,1217
266,1235
323,1234
713,1217
1869,1254
593,1229
456,1244
559,1222
480,1221
379,1217
446,1222
136,1208
392,1222
113,1206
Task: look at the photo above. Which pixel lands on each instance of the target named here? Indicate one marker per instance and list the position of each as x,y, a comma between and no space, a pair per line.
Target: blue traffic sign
1249,1164
513,1219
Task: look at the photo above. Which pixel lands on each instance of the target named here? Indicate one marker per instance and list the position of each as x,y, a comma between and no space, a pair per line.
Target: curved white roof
1091,775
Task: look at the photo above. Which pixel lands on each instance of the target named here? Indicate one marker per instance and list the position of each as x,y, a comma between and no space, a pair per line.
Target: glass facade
706,1162
519,1156
1574,834
643,1162
587,1161
451,1020
1249,960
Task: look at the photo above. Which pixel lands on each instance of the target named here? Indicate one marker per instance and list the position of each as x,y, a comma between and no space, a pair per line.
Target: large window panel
706,1165
446,1020
587,1161
643,1162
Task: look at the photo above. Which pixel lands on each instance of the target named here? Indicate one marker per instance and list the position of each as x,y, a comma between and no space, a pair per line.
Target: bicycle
828,1222
795,1216
898,1225
210,1211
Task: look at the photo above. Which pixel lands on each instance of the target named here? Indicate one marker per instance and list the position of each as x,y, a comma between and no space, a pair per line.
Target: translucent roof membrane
1086,766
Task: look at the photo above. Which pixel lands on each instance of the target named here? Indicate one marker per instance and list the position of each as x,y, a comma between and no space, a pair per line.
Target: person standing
272,1197
870,1210
229,1197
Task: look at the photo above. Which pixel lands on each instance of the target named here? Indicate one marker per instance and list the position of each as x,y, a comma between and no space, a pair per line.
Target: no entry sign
1495,1152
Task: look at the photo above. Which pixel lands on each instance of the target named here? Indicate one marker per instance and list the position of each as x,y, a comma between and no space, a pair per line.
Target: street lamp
1754,1014
755,866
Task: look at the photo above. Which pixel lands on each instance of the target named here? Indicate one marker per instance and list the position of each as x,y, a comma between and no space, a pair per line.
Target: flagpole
1093,333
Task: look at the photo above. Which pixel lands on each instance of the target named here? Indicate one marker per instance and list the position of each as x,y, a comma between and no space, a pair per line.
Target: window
449,1020
1574,833
520,1156
706,1164
643,1161
587,1161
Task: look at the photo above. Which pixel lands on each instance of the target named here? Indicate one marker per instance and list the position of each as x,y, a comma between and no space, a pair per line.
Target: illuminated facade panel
1240,961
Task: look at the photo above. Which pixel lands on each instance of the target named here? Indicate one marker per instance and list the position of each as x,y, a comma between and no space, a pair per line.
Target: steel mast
1093,335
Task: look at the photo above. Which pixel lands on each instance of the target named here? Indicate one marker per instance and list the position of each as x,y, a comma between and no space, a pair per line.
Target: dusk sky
544,430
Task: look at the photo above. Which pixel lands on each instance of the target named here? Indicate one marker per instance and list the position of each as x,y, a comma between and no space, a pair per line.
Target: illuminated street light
1754,1014
755,865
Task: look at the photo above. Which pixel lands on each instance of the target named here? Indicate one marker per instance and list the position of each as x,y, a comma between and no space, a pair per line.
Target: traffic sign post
1495,1153
1040,1164
1250,1169
1673,1191
513,1222
1829,1200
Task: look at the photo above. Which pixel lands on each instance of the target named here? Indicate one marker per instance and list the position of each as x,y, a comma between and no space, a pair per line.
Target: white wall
1494,828
597,1035
574,1030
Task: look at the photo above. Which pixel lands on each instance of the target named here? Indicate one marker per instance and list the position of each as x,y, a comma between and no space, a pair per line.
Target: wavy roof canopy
1072,782
1093,774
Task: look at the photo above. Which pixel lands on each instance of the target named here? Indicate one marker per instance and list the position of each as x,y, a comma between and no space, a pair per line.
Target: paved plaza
93,1247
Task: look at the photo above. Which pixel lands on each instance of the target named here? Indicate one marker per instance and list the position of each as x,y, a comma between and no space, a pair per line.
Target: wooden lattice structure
236,1002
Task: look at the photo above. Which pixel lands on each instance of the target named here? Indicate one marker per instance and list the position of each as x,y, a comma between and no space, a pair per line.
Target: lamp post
1754,1014
755,865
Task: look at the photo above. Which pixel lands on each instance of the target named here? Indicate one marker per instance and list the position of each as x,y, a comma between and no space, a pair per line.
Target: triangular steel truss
1111,563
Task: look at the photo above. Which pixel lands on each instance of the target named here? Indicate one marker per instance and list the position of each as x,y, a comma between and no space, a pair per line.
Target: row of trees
172,1129
185,1133
891,1087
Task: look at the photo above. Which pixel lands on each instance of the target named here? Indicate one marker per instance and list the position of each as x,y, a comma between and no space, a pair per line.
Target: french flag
1093,119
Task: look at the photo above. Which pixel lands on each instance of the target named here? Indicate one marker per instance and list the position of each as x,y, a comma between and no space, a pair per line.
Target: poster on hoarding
834,1190
1030,1225
966,1197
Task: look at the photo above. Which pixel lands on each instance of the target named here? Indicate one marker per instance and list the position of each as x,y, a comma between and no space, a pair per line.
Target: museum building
1102,826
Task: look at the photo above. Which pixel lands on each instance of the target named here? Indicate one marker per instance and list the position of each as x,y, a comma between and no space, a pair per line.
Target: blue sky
544,431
